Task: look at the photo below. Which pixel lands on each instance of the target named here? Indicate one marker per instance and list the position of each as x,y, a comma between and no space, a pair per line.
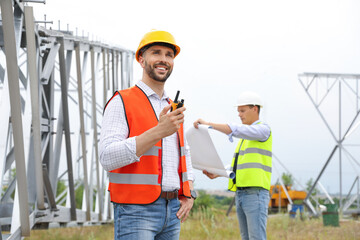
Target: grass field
214,225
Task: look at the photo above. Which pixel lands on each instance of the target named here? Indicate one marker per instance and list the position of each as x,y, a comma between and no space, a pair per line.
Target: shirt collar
256,122
149,92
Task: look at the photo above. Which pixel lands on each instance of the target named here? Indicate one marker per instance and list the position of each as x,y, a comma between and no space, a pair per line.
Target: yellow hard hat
156,36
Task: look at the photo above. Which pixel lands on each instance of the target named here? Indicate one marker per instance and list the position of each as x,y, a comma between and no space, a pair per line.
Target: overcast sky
232,46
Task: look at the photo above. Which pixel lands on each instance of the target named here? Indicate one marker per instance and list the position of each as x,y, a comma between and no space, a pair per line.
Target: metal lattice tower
53,87
336,98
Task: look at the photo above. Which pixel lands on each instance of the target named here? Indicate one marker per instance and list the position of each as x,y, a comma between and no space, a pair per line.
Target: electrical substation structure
53,88
336,98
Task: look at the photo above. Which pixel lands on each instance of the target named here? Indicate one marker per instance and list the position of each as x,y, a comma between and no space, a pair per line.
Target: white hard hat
249,98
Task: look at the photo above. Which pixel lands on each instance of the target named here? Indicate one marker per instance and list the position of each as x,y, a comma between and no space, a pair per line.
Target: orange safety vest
140,182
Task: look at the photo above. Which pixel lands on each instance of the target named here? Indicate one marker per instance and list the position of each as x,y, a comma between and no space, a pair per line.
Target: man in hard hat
143,148
251,164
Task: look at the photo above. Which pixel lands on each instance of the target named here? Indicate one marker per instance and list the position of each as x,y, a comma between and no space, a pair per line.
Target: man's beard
150,70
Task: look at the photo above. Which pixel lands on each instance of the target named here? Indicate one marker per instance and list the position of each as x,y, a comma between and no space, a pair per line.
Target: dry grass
210,224
281,227
74,233
214,225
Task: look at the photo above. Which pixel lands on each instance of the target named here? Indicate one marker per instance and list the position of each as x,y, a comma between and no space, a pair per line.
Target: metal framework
53,87
315,211
336,99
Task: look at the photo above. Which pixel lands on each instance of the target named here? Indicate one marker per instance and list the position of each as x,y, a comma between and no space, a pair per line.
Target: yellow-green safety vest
253,165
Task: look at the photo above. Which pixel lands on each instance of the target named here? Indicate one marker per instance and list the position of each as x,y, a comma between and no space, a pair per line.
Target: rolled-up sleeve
115,148
258,132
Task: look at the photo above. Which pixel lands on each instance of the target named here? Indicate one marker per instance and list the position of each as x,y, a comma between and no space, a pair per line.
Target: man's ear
141,61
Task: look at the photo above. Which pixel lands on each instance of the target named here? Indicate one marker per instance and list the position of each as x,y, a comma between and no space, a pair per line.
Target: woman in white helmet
251,164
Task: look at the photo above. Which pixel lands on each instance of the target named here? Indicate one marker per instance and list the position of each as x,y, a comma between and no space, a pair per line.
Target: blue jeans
294,208
252,211
144,222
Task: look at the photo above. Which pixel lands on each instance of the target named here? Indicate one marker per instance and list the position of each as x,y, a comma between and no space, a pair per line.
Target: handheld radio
175,104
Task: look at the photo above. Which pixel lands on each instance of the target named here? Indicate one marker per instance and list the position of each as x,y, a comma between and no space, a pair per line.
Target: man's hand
210,175
170,122
222,127
185,206
199,121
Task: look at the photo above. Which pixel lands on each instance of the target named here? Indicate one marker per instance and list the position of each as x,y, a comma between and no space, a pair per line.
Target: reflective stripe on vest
154,151
256,150
123,178
185,177
184,182
182,151
254,165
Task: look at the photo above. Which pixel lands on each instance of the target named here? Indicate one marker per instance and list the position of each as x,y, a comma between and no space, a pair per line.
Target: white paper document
203,153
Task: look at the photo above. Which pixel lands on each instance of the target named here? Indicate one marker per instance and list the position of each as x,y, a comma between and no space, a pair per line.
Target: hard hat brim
248,104
137,54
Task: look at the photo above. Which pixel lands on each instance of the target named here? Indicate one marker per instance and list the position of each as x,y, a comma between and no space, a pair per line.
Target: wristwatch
193,194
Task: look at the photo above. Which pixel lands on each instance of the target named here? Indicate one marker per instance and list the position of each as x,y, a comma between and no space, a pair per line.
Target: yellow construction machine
281,197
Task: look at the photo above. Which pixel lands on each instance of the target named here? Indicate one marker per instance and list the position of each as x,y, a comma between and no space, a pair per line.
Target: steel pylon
336,99
53,87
